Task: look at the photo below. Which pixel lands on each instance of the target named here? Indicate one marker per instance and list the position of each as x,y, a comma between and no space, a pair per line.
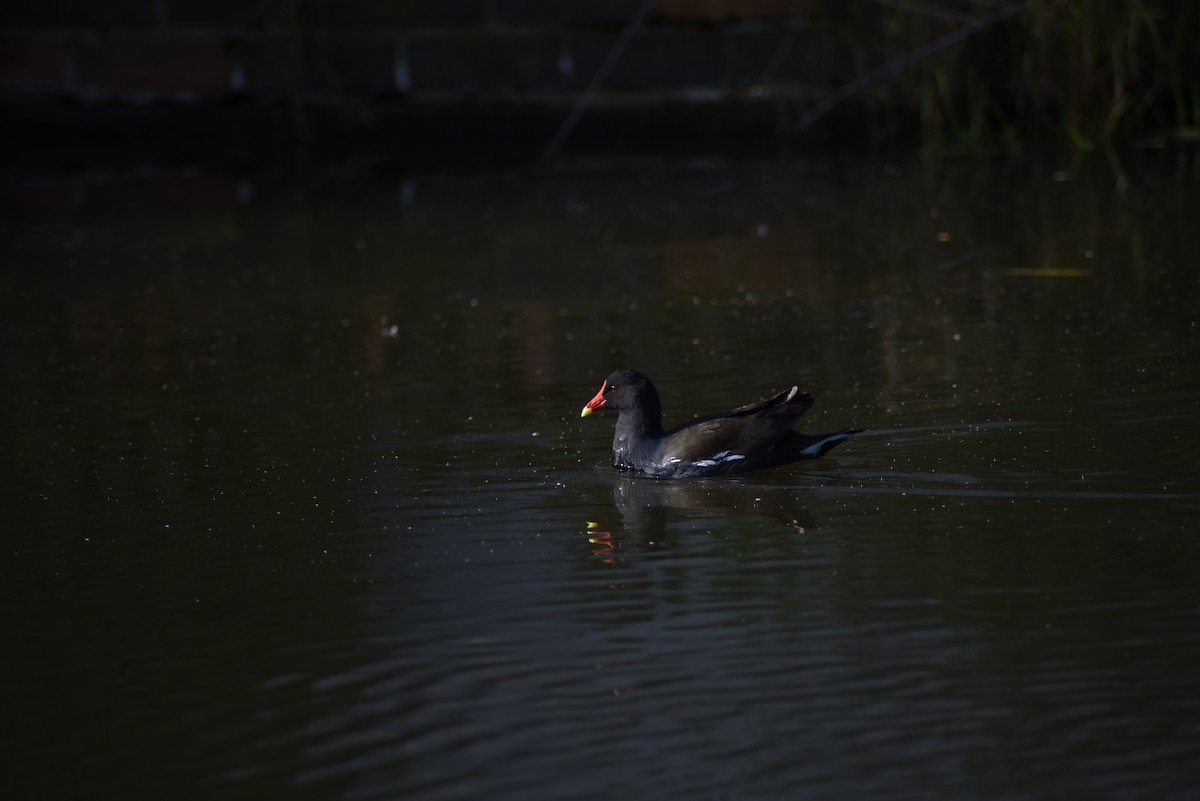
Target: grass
1097,74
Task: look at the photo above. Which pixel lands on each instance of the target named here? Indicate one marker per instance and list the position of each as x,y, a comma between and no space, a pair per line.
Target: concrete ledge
397,133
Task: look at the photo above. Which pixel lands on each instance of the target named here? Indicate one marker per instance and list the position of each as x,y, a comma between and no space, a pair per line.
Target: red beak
595,403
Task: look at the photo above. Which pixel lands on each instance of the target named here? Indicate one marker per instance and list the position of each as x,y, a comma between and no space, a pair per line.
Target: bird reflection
645,507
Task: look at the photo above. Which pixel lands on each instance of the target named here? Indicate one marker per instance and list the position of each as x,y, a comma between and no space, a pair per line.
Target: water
299,503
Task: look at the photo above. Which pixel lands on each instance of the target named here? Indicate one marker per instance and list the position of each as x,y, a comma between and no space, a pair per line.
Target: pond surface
299,502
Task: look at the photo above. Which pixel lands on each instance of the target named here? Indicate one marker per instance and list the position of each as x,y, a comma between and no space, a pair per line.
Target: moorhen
731,443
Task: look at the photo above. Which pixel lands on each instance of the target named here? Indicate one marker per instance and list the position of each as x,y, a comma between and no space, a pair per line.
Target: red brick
558,12
691,9
105,14
33,65
792,56
763,9
672,60
328,66
715,10
157,65
224,13
349,66
655,59
517,64
384,14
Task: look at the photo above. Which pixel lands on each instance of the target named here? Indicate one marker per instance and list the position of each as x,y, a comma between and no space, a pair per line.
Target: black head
624,390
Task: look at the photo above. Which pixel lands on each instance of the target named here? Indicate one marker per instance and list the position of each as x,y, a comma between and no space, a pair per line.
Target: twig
907,60
610,61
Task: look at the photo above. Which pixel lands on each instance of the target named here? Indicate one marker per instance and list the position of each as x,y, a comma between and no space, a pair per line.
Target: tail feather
811,446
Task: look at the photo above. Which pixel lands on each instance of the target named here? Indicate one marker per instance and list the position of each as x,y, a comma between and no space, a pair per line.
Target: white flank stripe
815,448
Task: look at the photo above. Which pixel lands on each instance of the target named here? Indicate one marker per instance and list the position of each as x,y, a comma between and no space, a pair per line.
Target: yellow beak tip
586,412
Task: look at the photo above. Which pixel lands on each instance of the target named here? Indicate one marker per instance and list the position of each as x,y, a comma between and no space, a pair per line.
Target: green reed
1092,73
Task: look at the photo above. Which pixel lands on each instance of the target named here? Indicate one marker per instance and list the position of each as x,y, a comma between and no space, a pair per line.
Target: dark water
298,497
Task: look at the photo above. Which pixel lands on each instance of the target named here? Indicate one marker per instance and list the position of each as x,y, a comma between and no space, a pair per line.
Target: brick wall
307,70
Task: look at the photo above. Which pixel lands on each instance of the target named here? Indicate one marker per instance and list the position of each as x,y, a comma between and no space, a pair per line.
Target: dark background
281,82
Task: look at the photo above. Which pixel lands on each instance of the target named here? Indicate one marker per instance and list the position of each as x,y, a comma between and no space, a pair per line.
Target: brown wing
775,400
750,429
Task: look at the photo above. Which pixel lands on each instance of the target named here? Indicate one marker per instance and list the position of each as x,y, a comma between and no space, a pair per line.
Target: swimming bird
751,437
